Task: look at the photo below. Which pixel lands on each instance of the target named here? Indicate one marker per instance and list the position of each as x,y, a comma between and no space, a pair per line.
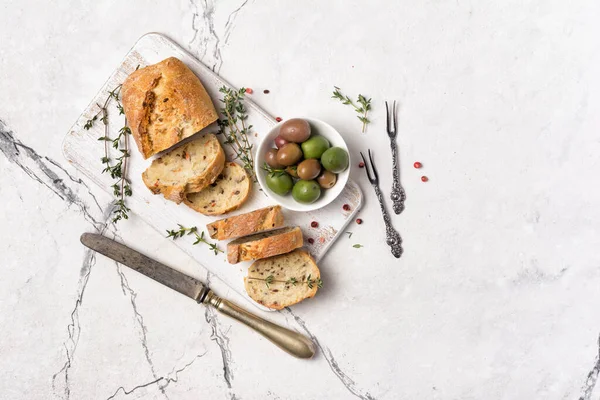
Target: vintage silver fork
392,237
398,195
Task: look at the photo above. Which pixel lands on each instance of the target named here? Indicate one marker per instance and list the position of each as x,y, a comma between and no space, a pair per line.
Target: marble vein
220,338
139,319
206,44
74,327
205,34
46,171
42,170
231,21
172,376
592,378
342,376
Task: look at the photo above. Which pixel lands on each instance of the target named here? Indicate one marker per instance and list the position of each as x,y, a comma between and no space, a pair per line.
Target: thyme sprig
309,281
183,231
362,109
233,126
274,171
122,186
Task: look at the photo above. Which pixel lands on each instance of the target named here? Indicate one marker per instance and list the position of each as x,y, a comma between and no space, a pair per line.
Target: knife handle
292,342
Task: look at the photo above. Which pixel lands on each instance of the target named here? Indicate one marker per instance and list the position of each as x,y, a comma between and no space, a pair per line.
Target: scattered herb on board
182,231
358,246
362,109
118,170
349,234
292,281
233,126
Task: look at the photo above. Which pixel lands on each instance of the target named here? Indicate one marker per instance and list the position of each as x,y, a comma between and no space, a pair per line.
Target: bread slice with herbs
284,280
226,194
165,103
260,220
187,168
263,245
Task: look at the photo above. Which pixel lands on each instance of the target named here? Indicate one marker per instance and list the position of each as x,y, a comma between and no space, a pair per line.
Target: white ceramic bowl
318,127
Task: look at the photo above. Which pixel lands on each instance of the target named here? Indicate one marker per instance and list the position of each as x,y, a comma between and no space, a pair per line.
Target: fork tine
366,165
373,166
367,171
387,114
395,116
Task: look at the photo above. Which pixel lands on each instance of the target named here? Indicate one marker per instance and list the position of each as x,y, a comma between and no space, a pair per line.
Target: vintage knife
288,340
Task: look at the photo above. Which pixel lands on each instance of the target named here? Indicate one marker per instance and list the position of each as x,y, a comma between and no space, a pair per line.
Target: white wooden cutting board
82,148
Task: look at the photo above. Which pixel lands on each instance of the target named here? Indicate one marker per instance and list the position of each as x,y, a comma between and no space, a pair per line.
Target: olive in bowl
327,179
309,169
279,182
296,130
306,192
271,159
289,154
312,185
315,147
335,159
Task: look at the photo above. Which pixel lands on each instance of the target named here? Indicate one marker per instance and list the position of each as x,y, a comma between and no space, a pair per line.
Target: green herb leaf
233,126
362,110
269,280
182,231
358,246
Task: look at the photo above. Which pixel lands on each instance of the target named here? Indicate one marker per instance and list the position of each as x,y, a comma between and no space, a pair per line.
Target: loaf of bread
280,281
186,169
165,103
263,245
246,224
226,194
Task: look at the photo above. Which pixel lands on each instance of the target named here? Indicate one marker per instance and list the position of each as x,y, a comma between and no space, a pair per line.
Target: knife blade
169,277
292,342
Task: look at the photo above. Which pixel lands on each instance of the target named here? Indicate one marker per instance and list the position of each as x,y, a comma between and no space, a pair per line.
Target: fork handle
398,195
392,237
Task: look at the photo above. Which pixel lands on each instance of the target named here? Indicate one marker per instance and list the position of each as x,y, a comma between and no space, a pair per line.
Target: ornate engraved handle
292,342
398,195
392,237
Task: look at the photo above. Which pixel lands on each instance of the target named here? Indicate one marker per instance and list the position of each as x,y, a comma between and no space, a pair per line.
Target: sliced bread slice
188,168
263,245
255,221
226,194
280,281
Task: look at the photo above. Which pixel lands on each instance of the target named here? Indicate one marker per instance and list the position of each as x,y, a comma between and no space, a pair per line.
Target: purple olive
280,142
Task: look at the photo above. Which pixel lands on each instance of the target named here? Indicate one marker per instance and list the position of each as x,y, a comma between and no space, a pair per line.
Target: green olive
315,147
327,179
309,169
271,159
279,182
289,154
335,160
306,191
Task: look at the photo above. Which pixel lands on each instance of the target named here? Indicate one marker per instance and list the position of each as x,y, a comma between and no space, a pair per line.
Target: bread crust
219,198
246,224
297,264
164,103
177,191
265,245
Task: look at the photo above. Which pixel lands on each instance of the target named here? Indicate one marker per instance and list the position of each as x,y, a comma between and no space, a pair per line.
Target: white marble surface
497,295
